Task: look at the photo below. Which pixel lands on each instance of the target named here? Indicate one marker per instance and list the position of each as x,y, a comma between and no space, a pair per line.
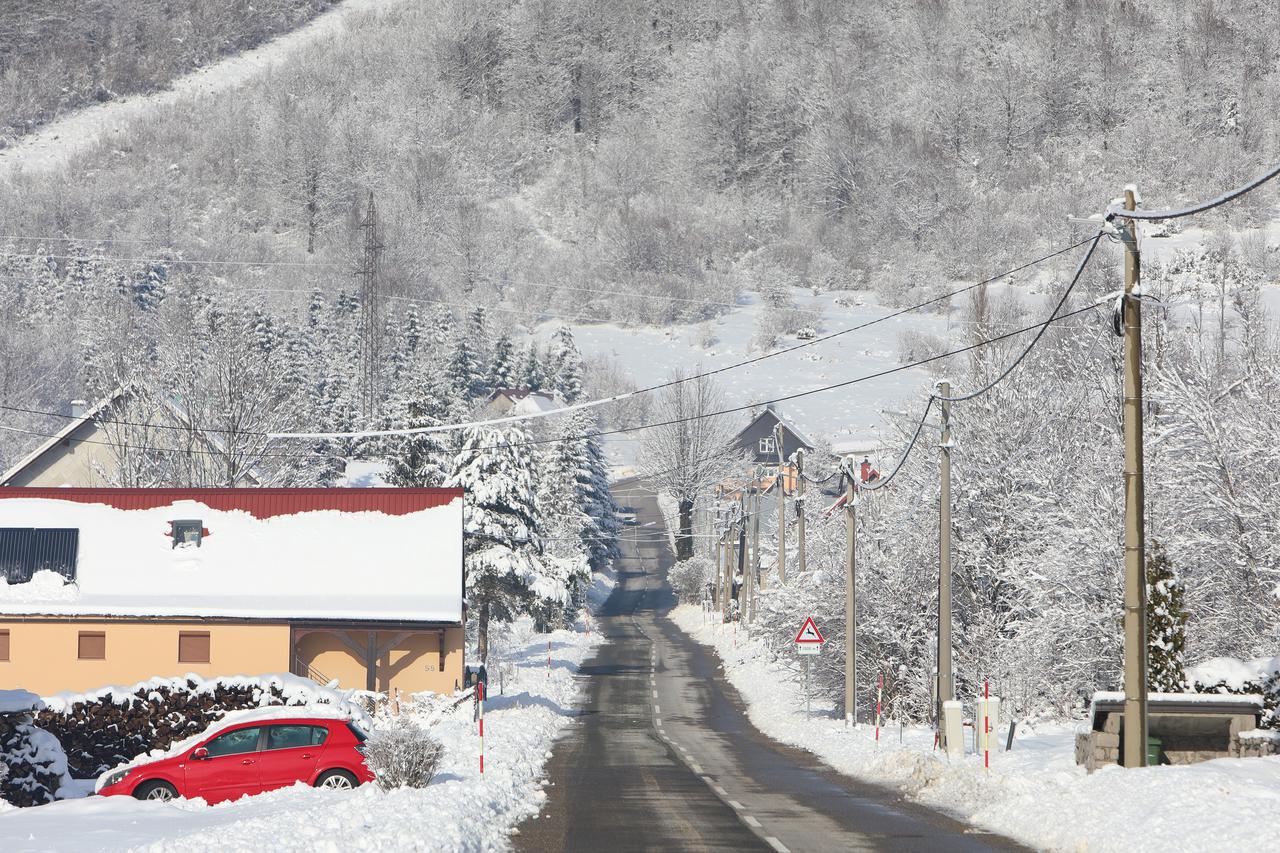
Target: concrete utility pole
755,541
1135,582
946,686
800,509
782,506
850,621
727,581
718,557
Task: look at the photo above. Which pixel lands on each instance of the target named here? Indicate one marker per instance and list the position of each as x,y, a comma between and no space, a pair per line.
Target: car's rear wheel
156,790
338,780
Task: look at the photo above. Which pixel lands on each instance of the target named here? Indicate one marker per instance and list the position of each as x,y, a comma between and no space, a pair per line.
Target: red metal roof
260,503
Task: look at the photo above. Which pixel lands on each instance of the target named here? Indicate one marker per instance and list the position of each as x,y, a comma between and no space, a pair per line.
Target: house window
768,445
92,645
193,647
186,531
4,645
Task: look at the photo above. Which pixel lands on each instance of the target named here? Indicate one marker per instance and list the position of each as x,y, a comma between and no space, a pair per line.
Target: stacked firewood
101,733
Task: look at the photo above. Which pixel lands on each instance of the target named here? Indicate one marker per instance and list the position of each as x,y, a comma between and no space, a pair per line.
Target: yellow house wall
80,462
43,654
411,666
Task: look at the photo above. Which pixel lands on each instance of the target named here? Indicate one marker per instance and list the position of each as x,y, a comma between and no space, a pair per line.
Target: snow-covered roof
323,564
535,403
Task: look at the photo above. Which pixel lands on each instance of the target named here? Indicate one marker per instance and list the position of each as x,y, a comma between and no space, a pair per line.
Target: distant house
757,439
114,586
83,453
517,401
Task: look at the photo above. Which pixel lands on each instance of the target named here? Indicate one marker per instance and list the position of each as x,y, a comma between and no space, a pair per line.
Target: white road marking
776,844
655,694
706,779
721,791
735,805
696,768
751,821
659,722
657,710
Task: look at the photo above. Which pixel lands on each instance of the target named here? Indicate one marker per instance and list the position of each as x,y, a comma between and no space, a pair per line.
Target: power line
1118,211
596,434
176,261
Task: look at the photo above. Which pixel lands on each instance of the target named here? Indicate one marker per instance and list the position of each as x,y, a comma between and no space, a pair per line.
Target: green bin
1155,747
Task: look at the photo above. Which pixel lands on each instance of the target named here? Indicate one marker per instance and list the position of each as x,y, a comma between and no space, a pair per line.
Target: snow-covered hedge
689,578
1235,677
403,754
32,764
103,728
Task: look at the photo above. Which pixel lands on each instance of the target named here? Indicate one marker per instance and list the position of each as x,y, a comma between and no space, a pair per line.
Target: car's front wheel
156,790
338,780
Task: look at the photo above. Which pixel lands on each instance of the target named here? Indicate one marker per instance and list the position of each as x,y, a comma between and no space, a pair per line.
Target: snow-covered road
55,143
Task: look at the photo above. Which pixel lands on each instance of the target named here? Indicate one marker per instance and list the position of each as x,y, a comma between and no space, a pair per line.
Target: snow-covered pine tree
464,373
502,364
422,459
533,374
566,362
505,572
603,528
1166,624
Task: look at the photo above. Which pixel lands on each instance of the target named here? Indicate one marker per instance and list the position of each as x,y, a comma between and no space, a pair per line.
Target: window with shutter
92,645
193,647
4,645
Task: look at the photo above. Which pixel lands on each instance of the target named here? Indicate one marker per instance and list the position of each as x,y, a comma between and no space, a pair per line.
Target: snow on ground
1034,793
55,143
460,811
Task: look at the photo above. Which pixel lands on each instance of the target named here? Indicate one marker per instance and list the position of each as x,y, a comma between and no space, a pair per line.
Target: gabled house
758,440
517,401
83,453
115,586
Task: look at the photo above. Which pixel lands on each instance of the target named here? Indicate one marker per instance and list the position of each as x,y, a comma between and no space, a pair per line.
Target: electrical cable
1118,211
881,482
598,433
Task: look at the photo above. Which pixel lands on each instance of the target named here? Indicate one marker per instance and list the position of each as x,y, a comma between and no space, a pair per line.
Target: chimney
78,408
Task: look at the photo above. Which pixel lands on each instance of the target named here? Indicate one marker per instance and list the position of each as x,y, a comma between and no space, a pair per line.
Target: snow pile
1258,677
110,726
127,566
19,701
33,766
1035,793
459,811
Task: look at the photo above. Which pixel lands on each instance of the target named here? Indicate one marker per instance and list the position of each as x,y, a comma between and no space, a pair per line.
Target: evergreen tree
505,572
422,459
1166,624
463,372
502,366
532,373
567,364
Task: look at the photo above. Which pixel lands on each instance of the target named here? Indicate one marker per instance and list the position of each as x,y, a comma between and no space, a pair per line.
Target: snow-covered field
1034,793
460,811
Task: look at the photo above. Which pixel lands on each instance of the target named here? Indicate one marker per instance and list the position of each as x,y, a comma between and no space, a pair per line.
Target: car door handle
306,755
247,761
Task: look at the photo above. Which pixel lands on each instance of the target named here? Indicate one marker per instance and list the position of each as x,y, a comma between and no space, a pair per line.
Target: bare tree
689,451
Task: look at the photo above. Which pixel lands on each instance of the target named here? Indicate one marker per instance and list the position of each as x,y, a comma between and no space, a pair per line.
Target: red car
248,758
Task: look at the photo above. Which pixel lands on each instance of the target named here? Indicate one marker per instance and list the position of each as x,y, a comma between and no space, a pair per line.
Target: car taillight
360,748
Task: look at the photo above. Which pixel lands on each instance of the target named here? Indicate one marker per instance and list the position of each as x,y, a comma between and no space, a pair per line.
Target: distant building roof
55,440
771,410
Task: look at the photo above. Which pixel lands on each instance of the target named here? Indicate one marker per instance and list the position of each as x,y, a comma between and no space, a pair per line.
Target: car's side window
234,743
291,737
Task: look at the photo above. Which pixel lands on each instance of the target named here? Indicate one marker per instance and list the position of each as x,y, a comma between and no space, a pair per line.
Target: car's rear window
361,737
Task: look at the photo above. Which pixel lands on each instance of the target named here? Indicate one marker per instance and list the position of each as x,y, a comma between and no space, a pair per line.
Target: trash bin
1155,748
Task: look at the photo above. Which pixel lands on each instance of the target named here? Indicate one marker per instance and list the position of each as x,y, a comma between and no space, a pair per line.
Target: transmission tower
369,274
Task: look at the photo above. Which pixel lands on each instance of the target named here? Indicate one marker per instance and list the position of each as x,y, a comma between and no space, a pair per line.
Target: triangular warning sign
809,632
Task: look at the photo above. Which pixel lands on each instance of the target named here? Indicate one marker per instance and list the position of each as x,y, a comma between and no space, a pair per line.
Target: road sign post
808,641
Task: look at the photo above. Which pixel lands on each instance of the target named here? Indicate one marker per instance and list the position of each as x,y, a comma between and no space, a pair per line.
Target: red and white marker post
480,705
548,658
879,697
986,724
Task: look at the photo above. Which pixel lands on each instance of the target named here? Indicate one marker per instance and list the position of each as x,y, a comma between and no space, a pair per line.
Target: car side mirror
199,754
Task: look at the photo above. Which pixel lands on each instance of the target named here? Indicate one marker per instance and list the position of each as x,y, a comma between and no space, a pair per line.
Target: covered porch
407,657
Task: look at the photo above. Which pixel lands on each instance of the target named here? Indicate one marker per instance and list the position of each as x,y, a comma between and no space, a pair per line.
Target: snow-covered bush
402,754
690,578
32,764
1237,677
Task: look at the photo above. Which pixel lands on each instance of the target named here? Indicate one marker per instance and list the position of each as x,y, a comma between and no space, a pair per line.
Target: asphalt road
664,757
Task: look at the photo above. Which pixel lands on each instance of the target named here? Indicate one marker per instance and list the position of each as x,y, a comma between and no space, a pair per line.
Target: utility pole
850,621
719,544
800,509
782,506
755,540
370,275
726,582
1135,582
946,686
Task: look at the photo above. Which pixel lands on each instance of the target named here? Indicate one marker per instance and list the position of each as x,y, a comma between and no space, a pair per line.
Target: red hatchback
250,757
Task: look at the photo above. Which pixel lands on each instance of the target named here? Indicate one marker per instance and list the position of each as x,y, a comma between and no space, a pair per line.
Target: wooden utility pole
782,505
850,620
946,685
726,582
1135,582
800,510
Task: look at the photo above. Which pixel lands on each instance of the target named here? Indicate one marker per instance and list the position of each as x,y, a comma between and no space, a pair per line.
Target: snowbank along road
664,757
